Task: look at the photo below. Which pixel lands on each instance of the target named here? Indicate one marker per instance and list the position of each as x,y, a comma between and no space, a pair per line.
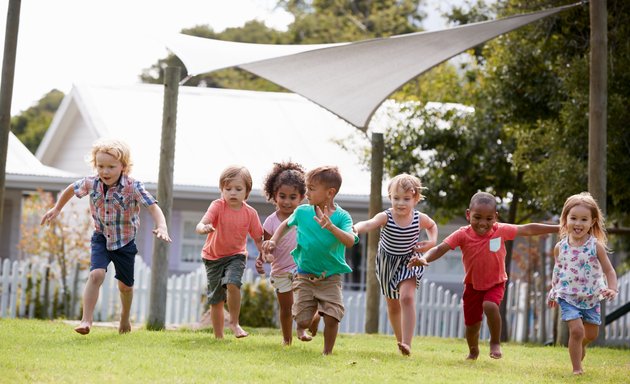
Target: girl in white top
285,187
401,226
582,274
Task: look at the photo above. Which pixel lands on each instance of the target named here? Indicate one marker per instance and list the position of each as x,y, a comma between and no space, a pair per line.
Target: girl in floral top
580,273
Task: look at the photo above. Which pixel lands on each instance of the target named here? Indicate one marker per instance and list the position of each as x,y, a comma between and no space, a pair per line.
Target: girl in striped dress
400,239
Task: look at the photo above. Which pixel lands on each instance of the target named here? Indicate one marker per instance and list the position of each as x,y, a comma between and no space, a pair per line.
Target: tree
31,125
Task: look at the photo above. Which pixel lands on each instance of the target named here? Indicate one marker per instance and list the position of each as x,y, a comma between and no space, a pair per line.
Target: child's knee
124,288
490,307
97,276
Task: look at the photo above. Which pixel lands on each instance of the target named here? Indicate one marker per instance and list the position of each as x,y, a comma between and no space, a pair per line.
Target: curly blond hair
114,147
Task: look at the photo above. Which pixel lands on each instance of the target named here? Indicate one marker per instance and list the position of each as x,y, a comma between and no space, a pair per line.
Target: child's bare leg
394,315
285,301
493,317
408,308
331,327
576,348
314,324
472,338
234,307
90,297
126,297
591,331
217,317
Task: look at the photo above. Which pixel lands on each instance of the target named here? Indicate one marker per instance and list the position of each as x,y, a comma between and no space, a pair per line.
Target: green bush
258,305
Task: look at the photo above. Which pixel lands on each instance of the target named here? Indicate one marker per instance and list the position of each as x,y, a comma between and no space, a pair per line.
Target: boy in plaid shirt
115,200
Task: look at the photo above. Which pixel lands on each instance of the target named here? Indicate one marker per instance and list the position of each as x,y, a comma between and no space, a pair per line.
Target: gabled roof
215,128
23,168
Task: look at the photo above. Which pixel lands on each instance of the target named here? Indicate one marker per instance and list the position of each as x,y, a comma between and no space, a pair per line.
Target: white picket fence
439,311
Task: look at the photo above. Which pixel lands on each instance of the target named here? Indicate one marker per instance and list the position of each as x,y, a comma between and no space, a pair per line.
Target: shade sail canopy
352,79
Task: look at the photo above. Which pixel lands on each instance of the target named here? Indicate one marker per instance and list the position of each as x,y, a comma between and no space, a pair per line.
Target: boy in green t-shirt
324,231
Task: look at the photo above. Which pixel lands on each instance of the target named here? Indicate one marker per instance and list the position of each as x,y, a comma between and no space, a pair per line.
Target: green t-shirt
318,250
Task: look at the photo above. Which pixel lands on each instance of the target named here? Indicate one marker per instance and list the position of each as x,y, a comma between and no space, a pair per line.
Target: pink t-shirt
231,227
283,260
483,256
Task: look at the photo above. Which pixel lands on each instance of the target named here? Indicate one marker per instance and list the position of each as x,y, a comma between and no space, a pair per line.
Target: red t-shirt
231,227
483,256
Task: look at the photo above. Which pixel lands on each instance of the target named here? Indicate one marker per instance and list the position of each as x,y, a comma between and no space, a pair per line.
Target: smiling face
108,167
481,217
234,192
403,202
287,198
579,223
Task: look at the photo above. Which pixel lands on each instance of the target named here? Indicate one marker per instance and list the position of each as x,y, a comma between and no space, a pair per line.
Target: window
192,242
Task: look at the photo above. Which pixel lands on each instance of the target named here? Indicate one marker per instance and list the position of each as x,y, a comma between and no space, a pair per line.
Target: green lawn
33,351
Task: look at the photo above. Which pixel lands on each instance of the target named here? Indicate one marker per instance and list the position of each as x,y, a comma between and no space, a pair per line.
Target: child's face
317,193
108,168
579,222
403,202
481,217
287,198
234,193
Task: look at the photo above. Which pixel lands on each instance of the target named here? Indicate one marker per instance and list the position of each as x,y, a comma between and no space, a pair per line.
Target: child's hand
323,218
417,261
268,257
551,303
259,266
609,294
207,229
49,216
268,246
162,234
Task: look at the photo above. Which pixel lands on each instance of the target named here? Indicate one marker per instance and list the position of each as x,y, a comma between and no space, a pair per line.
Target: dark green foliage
31,125
258,305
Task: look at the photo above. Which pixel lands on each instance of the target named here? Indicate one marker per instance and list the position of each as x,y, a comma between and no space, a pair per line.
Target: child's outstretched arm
533,229
611,277
377,221
431,228
431,255
160,231
53,212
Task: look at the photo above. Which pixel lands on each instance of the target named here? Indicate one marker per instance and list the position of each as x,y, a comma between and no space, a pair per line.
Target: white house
215,128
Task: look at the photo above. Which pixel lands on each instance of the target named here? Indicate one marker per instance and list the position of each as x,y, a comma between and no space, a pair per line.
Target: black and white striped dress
395,249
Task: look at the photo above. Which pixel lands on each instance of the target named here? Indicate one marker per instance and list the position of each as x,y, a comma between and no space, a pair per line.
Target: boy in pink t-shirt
227,223
483,255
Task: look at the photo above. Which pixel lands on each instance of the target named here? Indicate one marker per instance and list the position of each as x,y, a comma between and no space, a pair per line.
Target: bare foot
83,328
238,331
124,327
580,372
287,342
404,349
495,351
473,353
302,336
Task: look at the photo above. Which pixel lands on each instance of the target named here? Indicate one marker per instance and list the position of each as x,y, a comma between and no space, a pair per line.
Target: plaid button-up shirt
115,213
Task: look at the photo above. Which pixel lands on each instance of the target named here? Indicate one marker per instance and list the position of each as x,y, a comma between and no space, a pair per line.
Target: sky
65,42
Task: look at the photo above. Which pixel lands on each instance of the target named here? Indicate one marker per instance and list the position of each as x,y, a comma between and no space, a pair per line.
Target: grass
35,351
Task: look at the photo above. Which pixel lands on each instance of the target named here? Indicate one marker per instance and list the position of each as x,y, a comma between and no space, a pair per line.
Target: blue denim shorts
123,258
571,312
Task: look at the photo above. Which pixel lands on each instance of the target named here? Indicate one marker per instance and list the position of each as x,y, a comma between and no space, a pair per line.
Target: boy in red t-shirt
483,255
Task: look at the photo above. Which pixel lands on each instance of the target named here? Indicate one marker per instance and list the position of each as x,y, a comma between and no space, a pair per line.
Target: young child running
227,222
324,231
285,187
115,200
399,241
483,255
581,263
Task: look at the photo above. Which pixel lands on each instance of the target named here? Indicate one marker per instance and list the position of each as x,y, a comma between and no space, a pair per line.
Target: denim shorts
588,315
123,258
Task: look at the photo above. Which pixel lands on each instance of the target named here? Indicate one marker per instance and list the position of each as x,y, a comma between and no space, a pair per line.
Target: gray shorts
223,271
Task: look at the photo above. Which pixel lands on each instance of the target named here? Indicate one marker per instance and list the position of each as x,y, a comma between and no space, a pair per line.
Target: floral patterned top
578,278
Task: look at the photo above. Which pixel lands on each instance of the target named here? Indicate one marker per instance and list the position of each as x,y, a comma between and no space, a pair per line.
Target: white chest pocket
495,244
